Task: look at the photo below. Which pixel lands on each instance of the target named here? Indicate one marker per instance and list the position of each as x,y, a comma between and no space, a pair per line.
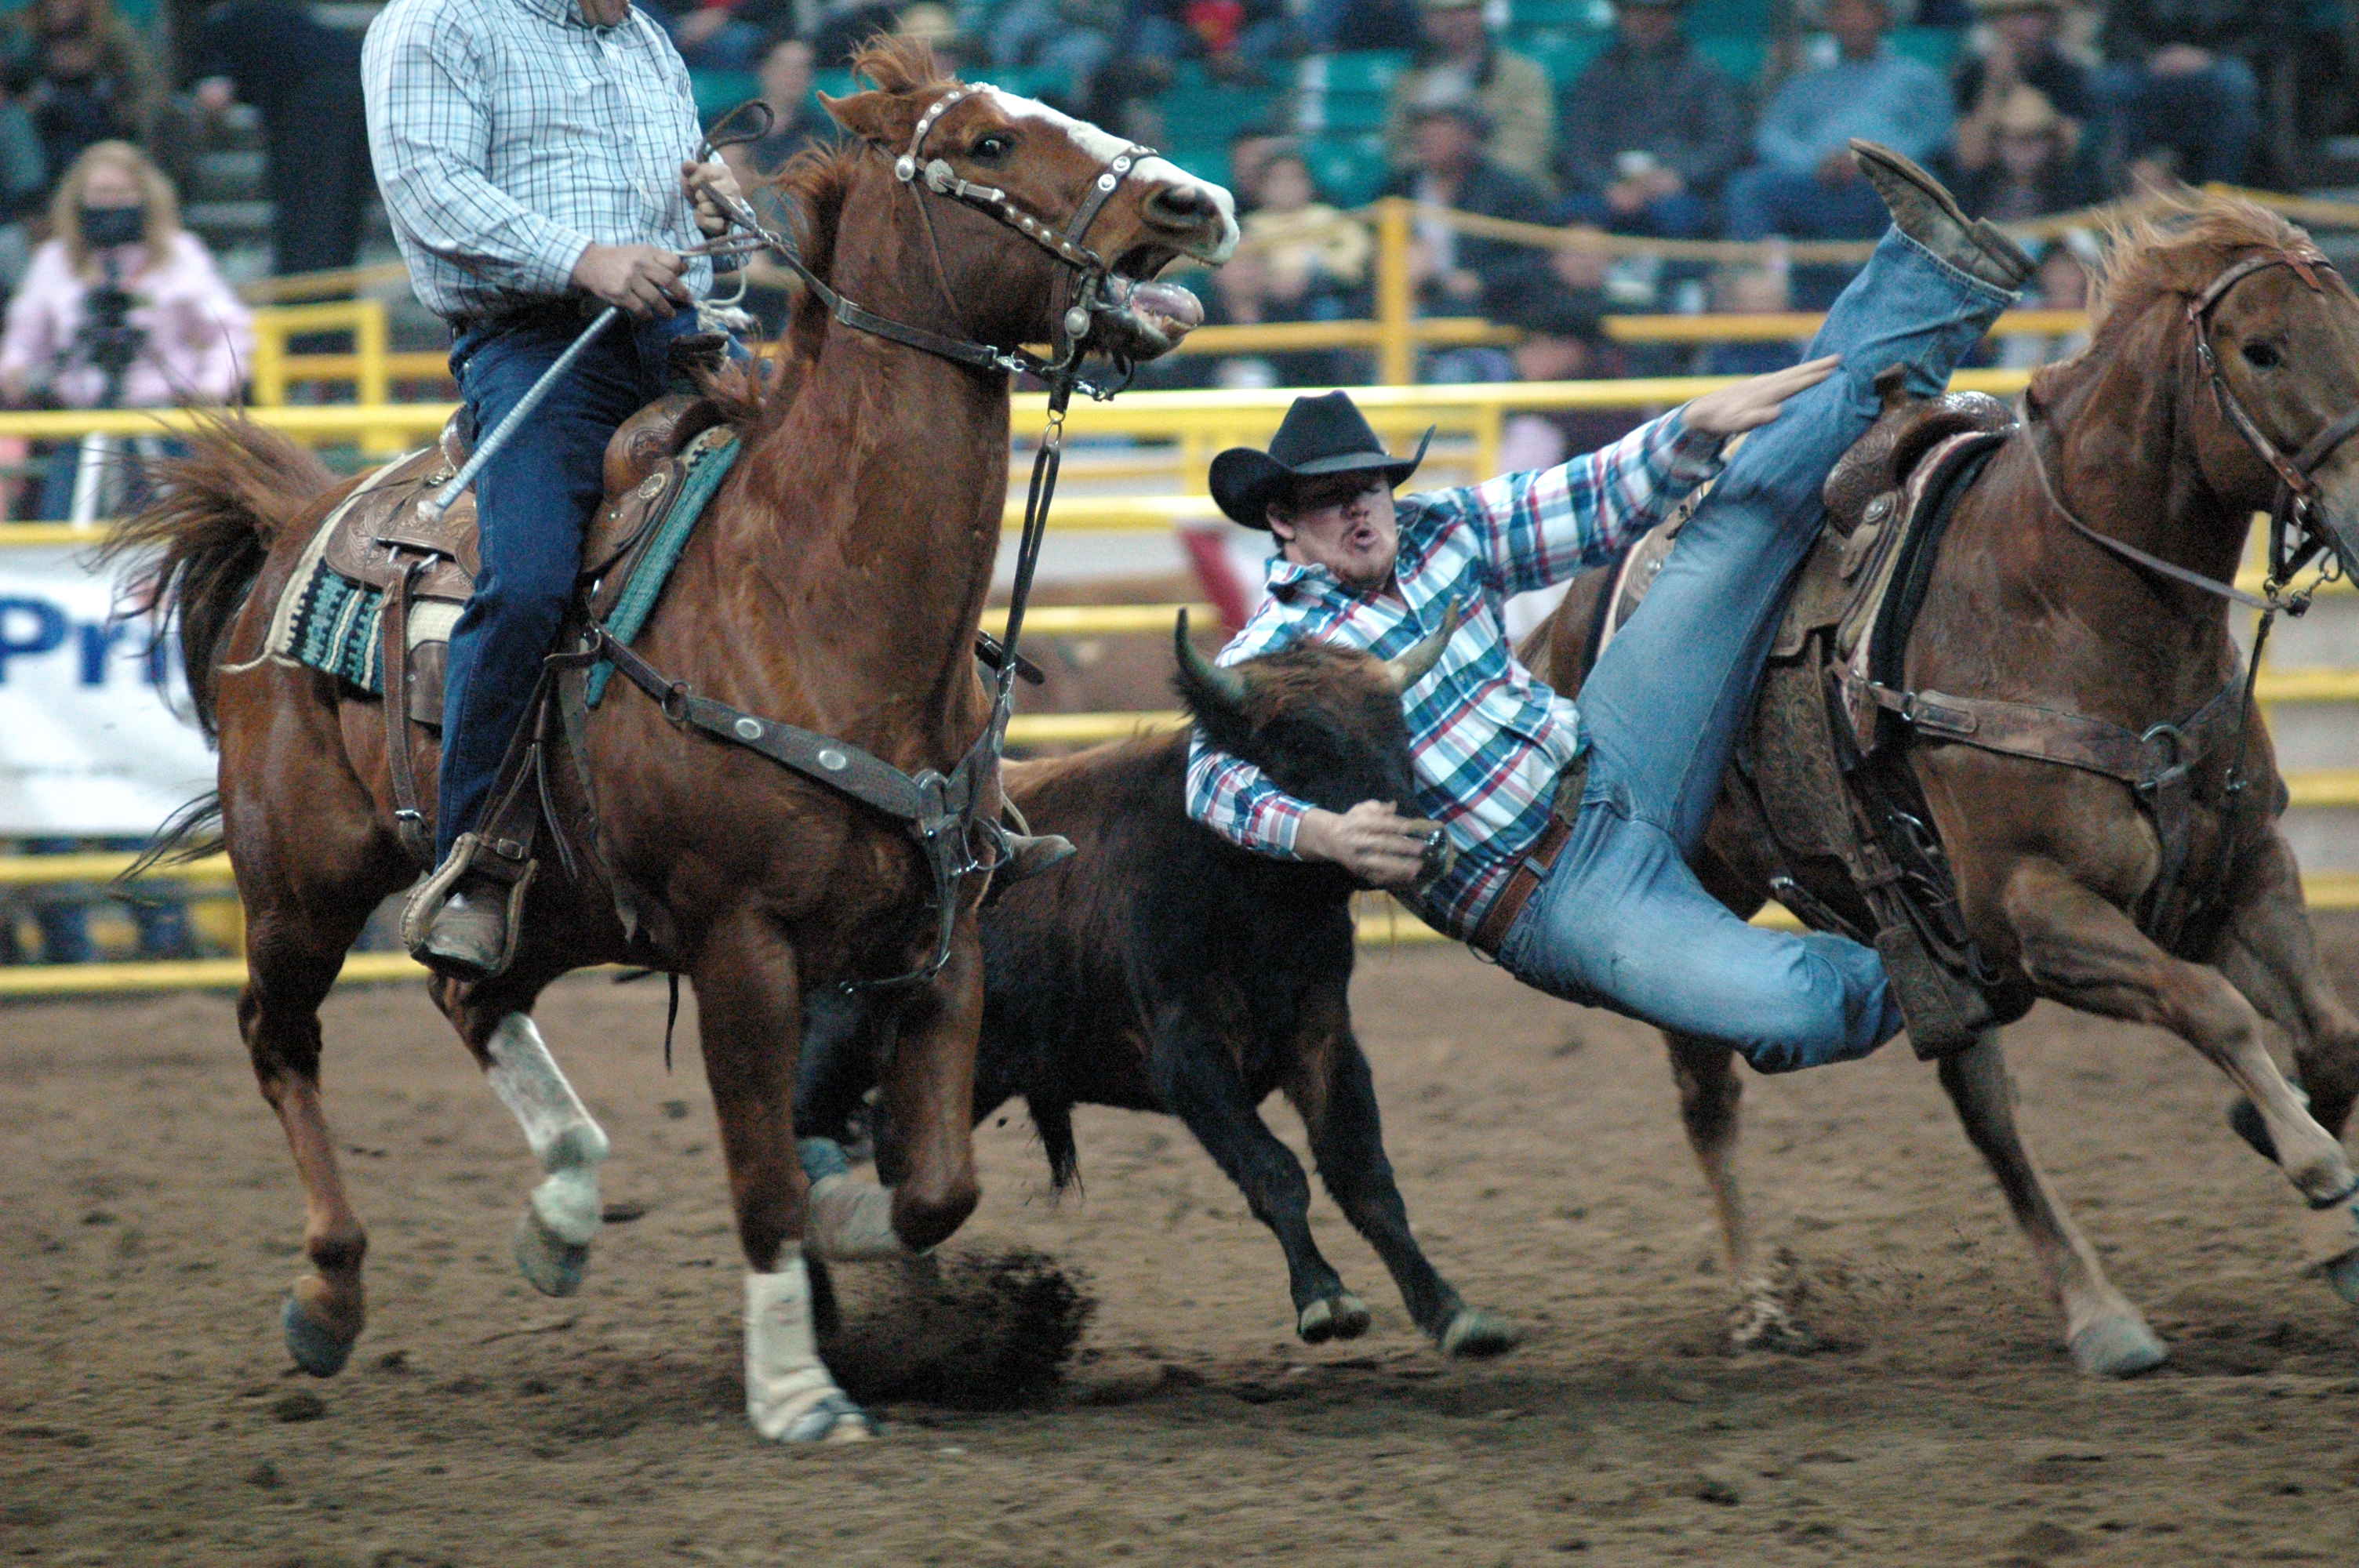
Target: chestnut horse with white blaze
2040,610
835,582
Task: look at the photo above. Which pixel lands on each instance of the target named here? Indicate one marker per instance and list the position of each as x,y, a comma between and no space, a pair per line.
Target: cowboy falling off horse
801,793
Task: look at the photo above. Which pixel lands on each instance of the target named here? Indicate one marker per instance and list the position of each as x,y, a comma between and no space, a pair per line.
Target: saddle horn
1413,665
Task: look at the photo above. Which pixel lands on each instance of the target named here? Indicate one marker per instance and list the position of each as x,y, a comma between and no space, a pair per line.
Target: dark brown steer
1163,968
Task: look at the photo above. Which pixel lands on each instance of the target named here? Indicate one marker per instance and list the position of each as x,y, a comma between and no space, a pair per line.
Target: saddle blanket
328,622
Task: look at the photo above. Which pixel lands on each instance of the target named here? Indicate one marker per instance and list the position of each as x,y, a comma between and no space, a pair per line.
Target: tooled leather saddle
379,538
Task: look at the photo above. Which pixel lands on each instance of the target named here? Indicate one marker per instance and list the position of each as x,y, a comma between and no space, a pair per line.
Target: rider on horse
1572,828
537,161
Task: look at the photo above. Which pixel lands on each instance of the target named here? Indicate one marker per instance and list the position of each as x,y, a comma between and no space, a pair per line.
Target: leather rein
952,816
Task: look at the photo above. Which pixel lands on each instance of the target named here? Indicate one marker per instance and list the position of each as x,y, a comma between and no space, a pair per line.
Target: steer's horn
1412,666
1226,685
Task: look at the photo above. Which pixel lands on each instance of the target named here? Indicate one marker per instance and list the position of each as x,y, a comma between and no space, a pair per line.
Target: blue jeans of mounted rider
533,502
1621,922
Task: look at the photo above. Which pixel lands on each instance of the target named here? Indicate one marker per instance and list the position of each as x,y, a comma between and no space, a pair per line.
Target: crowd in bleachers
1646,119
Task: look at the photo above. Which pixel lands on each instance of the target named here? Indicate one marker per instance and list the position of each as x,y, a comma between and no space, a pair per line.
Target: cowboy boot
1926,212
1029,854
468,938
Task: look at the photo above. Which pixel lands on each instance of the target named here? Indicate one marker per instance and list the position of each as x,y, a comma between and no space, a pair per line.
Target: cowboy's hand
715,189
1751,404
1372,841
642,279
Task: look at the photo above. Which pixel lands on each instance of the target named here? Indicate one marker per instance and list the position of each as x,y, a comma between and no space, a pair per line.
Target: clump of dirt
973,1331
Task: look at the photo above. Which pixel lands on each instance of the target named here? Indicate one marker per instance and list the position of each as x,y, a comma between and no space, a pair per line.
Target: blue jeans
2209,118
533,503
1621,920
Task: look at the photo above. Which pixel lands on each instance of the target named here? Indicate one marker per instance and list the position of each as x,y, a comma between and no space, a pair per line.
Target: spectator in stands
1335,25
1250,149
305,80
2061,283
2022,50
116,230
1650,130
1233,38
1564,340
1460,63
1806,186
1461,274
1762,290
720,35
83,74
2036,167
2178,86
844,25
796,119
1072,37
1301,260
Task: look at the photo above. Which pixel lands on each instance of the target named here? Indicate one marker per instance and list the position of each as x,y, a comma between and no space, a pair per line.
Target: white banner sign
92,743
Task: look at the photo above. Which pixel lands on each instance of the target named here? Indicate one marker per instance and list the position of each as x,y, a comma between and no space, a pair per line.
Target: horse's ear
885,118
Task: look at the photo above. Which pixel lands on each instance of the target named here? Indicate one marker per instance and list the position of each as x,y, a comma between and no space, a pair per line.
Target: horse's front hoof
1339,1316
1760,1322
2116,1347
832,1418
1474,1334
554,1265
317,1349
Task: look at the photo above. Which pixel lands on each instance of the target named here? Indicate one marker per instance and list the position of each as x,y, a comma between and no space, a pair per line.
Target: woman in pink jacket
121,307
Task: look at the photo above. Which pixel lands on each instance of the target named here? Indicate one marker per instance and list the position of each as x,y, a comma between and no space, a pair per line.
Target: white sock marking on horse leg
784,1376
557,1128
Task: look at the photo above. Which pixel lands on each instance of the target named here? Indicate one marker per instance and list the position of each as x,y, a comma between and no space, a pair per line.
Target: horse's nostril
1179,204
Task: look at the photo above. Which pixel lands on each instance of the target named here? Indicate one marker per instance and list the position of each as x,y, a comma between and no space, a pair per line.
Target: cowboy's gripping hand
1751,404
642,279
1373,842
715,189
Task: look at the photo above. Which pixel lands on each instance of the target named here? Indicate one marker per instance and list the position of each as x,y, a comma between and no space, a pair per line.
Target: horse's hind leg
2105,1333
292,961
562,1216
1710,1092
750,1013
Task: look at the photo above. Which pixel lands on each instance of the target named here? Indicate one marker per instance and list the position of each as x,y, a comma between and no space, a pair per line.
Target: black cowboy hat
1319,436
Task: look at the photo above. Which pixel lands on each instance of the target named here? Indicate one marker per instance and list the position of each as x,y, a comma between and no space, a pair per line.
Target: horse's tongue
1169,302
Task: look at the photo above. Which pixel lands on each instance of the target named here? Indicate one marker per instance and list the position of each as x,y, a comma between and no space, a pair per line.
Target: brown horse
2052,861
835,583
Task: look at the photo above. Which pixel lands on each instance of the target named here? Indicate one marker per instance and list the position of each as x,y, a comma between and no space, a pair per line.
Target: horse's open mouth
1143,318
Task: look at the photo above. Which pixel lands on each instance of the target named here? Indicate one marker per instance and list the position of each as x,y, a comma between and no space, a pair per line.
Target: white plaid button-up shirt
510,136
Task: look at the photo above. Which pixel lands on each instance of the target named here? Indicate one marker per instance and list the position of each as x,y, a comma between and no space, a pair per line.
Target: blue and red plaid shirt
1489,739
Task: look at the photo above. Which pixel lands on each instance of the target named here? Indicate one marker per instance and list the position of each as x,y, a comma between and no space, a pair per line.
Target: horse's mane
813,185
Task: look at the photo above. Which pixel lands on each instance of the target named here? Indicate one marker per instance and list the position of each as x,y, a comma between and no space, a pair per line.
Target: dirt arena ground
147,1414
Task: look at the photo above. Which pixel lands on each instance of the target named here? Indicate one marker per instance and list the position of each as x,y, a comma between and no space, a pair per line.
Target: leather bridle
1082,280
2298,530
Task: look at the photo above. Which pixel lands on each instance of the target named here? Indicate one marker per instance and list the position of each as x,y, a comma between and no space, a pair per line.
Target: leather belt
1533,867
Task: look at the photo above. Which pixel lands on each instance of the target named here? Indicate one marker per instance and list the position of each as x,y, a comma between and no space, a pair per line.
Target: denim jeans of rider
533,503
1621,920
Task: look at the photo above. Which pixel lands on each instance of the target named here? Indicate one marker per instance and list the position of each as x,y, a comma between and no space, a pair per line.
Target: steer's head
1324,723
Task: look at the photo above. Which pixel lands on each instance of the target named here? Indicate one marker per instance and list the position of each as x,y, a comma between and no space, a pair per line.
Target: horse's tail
200,545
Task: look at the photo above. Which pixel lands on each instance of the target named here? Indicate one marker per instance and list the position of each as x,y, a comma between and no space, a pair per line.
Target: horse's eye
993,147
2263,356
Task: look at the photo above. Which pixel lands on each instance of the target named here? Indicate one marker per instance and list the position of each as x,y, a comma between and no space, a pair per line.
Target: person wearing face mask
120,308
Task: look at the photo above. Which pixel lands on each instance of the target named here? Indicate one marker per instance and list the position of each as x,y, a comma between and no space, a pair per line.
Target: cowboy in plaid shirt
1598,904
